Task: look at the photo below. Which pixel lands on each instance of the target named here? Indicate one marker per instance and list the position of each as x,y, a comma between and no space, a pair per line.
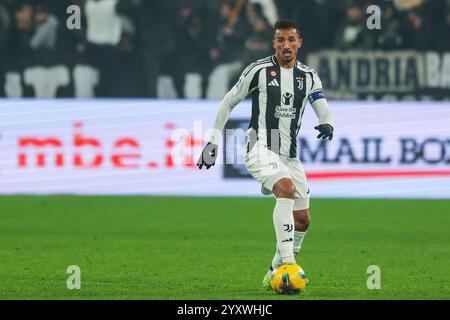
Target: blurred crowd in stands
175,37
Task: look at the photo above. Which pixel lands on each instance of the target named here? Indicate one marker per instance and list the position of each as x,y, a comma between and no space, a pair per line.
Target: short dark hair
286,24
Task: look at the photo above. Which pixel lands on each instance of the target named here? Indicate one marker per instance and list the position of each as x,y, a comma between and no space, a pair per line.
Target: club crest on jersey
299,82
287,98
273,73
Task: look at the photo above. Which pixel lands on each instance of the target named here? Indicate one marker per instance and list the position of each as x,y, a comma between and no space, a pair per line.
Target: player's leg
283,189
302,221
300,213
283,219
266,167
301,224
301,203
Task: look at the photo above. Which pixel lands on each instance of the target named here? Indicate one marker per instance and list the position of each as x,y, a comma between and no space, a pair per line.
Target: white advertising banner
119,147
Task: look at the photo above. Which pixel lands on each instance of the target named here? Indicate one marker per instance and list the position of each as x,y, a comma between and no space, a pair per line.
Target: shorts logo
274,165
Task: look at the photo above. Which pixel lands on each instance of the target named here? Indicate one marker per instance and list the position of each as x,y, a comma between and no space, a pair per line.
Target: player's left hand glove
326,131
208,156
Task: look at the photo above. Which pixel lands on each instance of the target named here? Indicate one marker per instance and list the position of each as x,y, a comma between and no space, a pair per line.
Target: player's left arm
320,106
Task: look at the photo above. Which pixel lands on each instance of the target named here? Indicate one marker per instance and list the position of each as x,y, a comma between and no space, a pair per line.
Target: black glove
208,156
326,131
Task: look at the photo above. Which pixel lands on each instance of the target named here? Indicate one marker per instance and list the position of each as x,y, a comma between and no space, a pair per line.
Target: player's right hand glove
326,131
208,156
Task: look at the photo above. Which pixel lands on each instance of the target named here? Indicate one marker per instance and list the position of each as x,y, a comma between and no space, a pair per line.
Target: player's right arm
238,93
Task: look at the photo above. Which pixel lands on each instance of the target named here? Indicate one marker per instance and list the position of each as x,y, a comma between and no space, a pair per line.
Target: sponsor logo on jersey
284,112
287,98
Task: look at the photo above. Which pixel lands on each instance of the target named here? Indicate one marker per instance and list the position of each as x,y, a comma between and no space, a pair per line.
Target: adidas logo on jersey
274,83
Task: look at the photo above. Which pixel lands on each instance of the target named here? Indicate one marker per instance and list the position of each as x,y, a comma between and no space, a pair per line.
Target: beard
287,56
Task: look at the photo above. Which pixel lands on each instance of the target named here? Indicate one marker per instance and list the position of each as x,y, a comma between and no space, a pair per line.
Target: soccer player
280,87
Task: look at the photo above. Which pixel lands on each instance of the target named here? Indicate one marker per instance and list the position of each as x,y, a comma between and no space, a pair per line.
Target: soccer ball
289,279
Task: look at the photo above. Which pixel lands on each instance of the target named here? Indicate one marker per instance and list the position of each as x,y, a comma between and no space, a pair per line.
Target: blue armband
316,95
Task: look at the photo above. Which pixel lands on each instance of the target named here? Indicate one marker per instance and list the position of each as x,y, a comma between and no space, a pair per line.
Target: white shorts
267,168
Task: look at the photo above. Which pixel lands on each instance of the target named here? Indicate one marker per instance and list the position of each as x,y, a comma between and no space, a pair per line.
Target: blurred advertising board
383,75
149,147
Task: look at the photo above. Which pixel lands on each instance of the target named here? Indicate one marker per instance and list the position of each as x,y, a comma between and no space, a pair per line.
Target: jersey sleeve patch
316,95
238,85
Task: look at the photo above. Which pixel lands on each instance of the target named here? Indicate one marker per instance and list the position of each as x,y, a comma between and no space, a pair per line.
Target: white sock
283,221
298,239
276,261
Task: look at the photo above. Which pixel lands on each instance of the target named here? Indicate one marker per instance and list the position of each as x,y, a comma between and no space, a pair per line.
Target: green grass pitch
217,248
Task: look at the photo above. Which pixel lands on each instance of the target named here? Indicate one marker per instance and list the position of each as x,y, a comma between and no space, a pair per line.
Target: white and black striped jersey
279,97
